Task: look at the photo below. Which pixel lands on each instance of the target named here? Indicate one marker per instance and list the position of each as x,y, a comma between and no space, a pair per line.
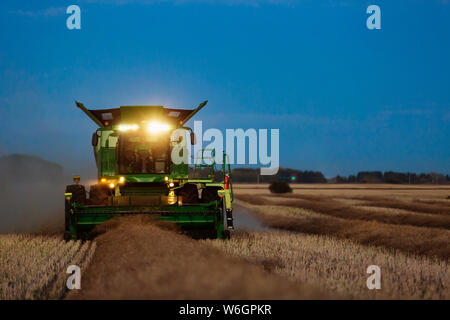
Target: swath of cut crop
444,203
415,205
136,259
409,200
341,210
415,240
434,208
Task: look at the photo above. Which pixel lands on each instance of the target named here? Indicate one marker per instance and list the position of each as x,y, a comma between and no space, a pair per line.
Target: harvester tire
78,193
226,234
67,236
189,193
67,218
210,194
98,194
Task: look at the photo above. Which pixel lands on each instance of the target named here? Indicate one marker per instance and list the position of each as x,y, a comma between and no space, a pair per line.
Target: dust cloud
31,194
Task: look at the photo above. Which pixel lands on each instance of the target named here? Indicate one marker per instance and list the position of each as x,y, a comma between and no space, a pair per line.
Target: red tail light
227,181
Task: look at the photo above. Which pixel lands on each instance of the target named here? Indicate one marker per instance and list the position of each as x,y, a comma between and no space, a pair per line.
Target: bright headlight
127,127
157,127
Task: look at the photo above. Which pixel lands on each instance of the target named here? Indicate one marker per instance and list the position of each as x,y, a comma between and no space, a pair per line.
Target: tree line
248,175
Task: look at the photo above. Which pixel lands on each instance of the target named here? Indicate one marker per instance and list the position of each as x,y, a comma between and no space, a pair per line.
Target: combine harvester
136,175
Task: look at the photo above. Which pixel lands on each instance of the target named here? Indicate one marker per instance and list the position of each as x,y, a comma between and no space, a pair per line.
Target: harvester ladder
199,165
226,167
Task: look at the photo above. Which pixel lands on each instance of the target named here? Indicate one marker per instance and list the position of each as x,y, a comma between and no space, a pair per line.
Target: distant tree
280,187
250,175
370,177
395,177
246,175
340,179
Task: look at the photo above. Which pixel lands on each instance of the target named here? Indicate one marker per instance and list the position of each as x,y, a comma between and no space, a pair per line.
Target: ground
316,242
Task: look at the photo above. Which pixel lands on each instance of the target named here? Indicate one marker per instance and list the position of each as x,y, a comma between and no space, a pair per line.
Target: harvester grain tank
136,174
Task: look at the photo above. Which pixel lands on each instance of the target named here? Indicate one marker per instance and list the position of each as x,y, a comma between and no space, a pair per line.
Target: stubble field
317,243
328,235
34,266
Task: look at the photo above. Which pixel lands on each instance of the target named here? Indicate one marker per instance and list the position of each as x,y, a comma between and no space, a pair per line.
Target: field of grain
316,244
34,266
339,266
329,234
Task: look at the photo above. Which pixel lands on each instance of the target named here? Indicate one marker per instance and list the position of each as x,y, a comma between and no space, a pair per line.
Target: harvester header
129,114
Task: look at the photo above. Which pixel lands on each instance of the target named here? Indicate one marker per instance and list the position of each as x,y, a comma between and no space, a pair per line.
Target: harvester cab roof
129,115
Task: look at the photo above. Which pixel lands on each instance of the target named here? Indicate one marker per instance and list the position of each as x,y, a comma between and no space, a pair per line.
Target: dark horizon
28,158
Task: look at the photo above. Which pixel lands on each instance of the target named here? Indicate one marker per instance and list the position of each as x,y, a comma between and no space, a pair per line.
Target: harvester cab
134,150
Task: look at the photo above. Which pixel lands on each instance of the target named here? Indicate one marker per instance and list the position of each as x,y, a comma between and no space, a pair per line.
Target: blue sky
345,98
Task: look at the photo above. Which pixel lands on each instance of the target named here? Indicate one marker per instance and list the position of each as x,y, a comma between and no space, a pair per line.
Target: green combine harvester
133,148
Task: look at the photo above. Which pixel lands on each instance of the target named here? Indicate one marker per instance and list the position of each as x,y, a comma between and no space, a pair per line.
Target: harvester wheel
98,194
210,194
67,236
226,234
67,216
83,236
189,193
78,193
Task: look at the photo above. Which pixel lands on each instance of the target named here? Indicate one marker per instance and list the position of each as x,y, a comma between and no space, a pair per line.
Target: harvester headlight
157,127
103,180
112,185
171,184
121,179
166,178
128,127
